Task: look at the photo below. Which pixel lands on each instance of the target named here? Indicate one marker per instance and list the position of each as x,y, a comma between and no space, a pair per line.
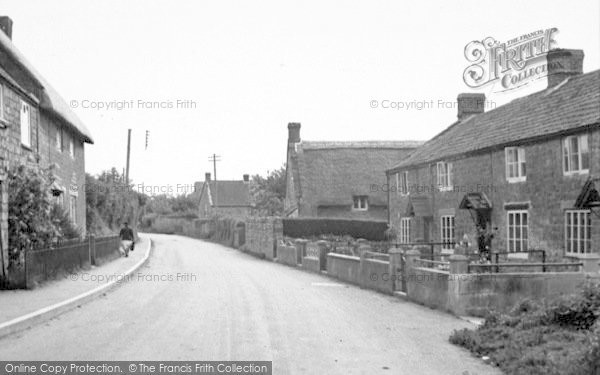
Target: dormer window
361,203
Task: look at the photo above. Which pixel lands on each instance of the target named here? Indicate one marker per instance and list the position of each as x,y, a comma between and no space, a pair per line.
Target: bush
309,227
29,222
558,337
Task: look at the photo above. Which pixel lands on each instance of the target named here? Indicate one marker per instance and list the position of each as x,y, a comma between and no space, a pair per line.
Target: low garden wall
344,267
376,275
475,294
464,293
287,255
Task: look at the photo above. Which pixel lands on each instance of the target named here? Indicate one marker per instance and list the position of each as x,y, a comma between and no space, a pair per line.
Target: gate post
396,272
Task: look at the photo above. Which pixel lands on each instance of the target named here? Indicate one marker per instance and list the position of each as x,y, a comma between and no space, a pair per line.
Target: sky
226,77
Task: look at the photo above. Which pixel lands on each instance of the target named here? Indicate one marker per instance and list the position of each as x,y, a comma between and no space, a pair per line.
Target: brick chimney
470,104
562,64
246,178
6,25
207,176
293,132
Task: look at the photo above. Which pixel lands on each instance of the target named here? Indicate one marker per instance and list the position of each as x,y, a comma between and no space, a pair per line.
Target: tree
268,193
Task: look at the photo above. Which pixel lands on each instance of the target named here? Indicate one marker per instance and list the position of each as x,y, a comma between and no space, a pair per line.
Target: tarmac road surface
196,300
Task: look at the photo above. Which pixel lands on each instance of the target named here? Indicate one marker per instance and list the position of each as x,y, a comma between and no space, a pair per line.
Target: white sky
252,67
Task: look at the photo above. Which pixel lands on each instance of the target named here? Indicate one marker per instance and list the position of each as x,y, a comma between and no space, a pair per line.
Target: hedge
308,227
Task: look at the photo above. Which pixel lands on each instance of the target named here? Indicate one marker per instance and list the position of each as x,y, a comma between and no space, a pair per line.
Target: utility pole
215,158
128,153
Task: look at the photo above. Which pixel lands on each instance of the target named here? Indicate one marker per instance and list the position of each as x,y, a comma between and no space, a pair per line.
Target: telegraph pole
128,153
215,158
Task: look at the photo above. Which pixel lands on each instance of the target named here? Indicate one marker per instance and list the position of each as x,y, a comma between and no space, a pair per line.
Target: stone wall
262,236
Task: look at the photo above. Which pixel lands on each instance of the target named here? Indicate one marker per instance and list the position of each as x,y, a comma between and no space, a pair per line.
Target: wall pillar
300,249
395,270
590,263
323,250
459,264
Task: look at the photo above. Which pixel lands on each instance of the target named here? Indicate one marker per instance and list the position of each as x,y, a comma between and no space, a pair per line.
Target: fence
45,264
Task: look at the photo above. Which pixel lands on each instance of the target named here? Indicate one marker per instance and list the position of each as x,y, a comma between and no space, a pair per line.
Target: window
576,156
515,164
517,233
25,124
73,208
578,228
71,148
444,175
405,230
59,139
403,183
360,203
447,232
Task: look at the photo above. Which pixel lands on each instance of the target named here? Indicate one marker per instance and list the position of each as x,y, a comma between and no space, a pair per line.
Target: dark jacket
126,234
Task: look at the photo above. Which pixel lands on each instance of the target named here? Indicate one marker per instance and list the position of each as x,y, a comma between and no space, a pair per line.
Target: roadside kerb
49,312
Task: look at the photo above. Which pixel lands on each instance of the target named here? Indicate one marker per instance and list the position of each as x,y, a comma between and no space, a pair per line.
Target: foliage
268,193
66,227
29,212
309,227
164,204
556,337
110,202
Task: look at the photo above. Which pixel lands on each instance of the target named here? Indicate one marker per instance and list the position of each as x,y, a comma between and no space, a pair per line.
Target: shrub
309,227
560,337
29,222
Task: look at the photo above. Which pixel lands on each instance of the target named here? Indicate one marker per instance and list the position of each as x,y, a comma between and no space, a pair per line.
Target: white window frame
404,183
568,154
524,242
71,147
58,139
578,237
405,230
360,203
447,225
444,176
25,120
73,207
519,165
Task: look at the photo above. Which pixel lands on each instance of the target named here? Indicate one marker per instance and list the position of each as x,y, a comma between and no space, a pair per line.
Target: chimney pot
293,132
207,176
6,25
562,64
470,104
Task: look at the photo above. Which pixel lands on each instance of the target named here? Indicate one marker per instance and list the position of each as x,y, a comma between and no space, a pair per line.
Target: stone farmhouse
38,128
525,173
339,179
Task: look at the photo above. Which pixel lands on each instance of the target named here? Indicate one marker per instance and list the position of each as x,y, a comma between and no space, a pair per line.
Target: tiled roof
570,105
230,193
320,145
51,100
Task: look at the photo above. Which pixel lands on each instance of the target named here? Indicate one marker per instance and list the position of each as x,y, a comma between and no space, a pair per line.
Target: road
200,301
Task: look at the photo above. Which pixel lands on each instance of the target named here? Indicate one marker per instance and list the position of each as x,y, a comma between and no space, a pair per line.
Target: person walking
126,235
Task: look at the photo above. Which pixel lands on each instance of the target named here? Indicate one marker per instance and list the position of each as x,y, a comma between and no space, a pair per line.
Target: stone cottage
38,128
525,173
339,179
